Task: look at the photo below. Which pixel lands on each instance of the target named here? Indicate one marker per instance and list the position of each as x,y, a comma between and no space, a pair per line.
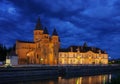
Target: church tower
46,36
56,43
45,44
38,31
43,50
55,38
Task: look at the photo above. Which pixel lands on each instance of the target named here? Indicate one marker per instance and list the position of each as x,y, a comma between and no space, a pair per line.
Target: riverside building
82,55
45,49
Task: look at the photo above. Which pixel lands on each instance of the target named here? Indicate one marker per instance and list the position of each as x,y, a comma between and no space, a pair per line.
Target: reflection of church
43,50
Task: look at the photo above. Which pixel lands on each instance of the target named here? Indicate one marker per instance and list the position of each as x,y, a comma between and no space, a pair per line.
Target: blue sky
96,22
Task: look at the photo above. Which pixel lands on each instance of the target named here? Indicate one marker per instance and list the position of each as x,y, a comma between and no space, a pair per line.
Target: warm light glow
82,58
78,57
7,61
41,59
28,54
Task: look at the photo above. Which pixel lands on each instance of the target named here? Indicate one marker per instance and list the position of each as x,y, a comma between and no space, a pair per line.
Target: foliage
114,61
4,51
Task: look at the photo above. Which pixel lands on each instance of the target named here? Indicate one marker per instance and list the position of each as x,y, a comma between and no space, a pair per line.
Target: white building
82,55
11,59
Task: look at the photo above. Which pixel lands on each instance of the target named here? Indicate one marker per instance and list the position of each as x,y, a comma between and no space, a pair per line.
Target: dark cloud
77,21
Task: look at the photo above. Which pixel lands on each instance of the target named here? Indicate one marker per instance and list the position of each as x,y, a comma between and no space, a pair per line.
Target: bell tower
55,38
46,35
56,44
38,31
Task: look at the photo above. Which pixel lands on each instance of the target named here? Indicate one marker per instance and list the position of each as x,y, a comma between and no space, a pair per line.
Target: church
43,50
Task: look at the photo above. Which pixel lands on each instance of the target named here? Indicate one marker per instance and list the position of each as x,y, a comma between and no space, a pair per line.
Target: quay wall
88,70
47,72
14,74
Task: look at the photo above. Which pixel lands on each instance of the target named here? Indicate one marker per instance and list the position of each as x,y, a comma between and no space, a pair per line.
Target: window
37,56
60,54
73,55
64,55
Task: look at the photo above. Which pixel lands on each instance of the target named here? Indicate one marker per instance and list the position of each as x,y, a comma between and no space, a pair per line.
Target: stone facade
82,55
43,50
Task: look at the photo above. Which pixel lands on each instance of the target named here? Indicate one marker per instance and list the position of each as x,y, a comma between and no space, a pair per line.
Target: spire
54,33
38,25
45,31
85,44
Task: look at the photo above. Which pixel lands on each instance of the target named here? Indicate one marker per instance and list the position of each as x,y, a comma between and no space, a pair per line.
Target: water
98,79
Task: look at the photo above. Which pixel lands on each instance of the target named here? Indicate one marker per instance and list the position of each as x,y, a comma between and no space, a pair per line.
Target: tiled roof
25,41
82,49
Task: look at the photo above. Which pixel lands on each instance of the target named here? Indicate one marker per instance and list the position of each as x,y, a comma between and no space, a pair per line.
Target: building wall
22,49
44,49
12,60
82,58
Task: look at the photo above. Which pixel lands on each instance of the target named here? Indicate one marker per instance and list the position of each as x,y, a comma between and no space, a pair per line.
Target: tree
3,52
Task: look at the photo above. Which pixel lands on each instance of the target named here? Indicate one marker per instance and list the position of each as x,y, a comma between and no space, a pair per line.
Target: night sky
96,22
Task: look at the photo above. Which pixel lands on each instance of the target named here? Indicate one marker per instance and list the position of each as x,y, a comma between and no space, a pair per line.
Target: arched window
37,56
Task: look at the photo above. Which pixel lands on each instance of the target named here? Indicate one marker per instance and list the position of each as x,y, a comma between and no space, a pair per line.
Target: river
97,79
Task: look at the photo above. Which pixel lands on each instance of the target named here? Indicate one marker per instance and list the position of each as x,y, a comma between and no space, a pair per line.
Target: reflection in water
109,78
99,79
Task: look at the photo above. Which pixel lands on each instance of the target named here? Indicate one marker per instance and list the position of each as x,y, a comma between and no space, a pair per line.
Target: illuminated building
82,55
43,50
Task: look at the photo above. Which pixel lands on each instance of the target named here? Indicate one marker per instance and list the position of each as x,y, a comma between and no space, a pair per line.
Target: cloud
77,21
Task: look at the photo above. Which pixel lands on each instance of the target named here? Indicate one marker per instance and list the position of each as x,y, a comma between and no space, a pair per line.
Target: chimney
99,51
78,49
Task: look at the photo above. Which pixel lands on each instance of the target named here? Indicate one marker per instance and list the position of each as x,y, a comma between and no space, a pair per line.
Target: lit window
60,54
65,55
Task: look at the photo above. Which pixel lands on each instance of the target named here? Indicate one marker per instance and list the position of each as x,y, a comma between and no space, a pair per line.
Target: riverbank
35,72
88,70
